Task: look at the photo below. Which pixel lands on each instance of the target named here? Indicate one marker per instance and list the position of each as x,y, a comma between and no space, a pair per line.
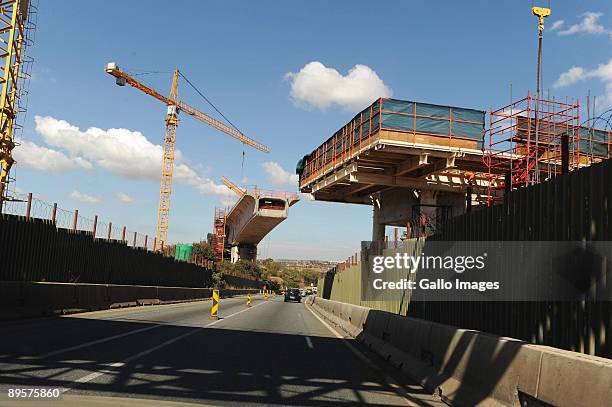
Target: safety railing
29,206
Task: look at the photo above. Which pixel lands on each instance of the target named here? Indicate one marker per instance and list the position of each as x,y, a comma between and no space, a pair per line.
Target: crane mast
14,37
165,190
174,107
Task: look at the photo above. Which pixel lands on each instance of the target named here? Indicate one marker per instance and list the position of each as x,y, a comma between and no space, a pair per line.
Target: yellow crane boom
233,186
174,107
14,37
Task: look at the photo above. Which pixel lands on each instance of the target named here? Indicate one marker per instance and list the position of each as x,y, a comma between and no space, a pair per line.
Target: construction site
531,179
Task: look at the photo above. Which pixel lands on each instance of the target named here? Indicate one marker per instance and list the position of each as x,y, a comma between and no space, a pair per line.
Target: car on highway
293,294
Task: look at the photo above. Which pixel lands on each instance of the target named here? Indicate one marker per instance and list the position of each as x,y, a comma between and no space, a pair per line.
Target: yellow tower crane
15,26
239,191
174,107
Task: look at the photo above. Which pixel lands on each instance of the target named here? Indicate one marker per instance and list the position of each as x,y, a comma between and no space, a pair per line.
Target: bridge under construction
240,229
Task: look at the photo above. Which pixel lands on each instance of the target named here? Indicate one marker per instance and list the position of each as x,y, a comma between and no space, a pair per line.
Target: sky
286,73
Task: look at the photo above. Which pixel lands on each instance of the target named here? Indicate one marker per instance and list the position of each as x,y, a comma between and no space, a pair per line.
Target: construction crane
16,28
541,13
174,107
239,191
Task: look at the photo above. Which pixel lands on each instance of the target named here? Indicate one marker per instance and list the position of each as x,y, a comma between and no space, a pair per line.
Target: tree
217,280
203,249
310,276
270,268
247,267
291,277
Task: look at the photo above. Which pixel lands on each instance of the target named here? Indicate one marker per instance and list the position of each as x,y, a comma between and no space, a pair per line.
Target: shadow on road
215,365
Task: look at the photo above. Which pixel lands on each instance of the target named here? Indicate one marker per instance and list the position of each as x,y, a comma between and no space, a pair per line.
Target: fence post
29,208
95,226
110,230
146,239
76,218
134,245
123,235
54,213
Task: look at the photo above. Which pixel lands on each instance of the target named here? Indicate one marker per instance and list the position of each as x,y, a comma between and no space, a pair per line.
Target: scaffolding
532,140
218,235
420,124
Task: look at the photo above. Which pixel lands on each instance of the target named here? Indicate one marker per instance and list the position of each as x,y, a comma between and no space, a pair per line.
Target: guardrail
20,300
468,367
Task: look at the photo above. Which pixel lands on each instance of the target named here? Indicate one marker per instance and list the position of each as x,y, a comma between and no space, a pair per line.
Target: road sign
214,311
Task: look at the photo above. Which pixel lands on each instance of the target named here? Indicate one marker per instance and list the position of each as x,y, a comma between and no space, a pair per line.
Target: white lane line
96,342
399,390
102,340
131,358
309,342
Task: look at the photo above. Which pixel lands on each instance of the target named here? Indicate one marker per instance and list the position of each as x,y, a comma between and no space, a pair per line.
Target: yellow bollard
273,294
214,311
248,301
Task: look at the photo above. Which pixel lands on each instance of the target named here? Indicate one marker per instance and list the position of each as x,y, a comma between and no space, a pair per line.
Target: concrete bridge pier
400,207
243,252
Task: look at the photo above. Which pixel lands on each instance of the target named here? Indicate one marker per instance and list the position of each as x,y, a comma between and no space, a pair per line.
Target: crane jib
203,117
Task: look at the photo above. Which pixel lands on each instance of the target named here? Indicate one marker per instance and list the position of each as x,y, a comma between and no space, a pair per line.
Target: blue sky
239,53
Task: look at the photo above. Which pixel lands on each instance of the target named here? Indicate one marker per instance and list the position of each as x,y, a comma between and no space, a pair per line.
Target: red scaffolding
218,235
532,140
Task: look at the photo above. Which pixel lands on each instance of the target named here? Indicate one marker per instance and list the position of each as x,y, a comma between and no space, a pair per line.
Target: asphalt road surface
271,354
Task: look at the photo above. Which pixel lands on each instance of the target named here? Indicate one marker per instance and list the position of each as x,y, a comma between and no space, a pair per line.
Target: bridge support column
246,252
378,227
234,254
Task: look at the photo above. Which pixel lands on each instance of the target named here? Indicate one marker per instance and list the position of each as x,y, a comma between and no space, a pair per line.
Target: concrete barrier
20,300
467,367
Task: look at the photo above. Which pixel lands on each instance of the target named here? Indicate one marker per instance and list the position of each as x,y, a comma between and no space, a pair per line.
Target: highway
271,354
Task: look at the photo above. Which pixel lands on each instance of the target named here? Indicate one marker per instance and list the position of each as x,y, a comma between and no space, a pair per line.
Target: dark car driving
293,294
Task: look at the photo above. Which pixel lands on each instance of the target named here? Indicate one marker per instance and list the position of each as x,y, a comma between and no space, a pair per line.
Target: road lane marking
96,342
102,340
391,382
309,342
101,372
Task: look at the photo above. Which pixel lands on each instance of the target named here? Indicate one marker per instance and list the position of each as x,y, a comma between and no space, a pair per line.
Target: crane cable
218,111
209,102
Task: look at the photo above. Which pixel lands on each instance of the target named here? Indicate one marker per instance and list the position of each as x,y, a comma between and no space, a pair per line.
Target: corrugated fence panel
35,250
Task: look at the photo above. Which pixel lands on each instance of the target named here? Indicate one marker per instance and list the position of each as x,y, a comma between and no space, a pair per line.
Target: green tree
217,280
310,276
291,277
248,267
203,249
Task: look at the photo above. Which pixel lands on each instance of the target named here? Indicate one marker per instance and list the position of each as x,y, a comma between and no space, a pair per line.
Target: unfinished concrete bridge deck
255,214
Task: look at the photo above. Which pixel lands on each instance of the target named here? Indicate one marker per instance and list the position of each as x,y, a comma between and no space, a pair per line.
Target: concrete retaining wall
468,367
33,299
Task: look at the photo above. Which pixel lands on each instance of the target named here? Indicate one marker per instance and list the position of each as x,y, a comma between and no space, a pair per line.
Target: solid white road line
399,390
96,342
102,340
309,342
131,358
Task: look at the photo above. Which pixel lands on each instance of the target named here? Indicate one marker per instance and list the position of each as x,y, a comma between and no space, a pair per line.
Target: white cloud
126,153
556,25
84,198
589,25
572,75
602,72
278,176
29,154
124,198
316,85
